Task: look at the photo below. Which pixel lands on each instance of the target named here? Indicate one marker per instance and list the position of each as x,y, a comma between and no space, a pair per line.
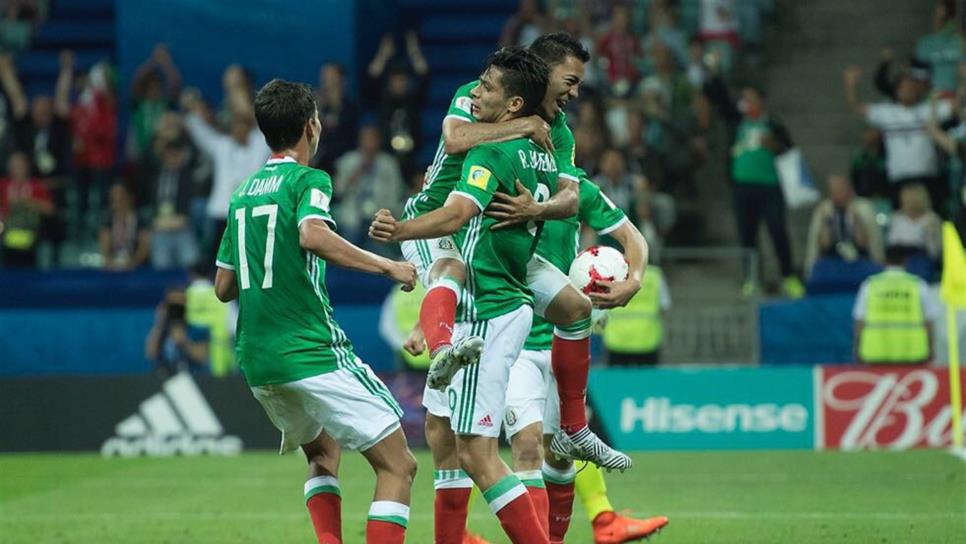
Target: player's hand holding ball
383,227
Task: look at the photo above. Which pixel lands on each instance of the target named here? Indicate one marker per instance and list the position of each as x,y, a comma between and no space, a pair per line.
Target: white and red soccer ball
595,264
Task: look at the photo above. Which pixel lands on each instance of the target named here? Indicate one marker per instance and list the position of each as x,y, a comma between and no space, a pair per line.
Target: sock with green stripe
453,488
533,480
509,500
570,359
560,492
387,523
437,314
324,501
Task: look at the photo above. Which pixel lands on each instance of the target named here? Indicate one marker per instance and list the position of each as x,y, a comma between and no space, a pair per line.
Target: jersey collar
279,159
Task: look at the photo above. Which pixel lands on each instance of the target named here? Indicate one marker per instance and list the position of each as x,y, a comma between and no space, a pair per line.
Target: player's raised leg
561,304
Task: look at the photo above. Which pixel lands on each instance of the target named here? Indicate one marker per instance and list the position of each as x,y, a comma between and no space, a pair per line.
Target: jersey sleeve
878,115
485,170
564,148
597,211
461,105
315,198
226,250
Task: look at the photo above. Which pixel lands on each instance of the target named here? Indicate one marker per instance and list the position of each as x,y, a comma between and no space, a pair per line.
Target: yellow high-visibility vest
637,327
203,309
405,308
895,329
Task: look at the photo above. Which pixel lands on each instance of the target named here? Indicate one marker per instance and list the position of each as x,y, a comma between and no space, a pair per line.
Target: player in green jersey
443,272
297,361
497,304
532,415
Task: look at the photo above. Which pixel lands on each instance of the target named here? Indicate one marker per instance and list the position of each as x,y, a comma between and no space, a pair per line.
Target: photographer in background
172,344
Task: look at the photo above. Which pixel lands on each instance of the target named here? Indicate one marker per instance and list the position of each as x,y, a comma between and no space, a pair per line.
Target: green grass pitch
733,497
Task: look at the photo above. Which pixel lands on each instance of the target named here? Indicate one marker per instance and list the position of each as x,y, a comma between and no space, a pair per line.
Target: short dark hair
897,255
524,74
281,109
554,48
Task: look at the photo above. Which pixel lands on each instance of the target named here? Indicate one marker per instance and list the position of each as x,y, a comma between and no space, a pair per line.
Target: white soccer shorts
352,405
545,281
477,395
532,394
424,254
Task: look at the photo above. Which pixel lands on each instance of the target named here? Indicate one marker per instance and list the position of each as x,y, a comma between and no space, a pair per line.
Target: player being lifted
297,361
533,411
443,271
497,305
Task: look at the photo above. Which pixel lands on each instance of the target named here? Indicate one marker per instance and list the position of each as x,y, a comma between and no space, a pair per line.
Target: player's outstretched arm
317,237
511,210
443,221
459,135
619,293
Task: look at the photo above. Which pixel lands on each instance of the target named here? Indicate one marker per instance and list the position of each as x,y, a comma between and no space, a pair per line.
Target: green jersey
560,239
286,331
445,172
496,260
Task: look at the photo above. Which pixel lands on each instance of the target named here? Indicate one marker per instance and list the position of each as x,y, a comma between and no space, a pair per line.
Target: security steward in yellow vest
893,316
633,334
203,311
400,314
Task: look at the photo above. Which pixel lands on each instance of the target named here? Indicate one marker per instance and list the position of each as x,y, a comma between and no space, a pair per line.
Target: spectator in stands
868,171
910,154
664,32
614,179
366,180
524,26
173,243
943,49
756,139
43,132
339,114
719,21
843,227
234,156
124,238
914,225
589,144
172,344
171,129
621,51
154,91
894,315
25,206
94,135
656,214
17,21
238,97
399,95
695,68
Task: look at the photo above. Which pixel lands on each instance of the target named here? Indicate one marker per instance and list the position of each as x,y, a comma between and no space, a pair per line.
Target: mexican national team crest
445,244
511,417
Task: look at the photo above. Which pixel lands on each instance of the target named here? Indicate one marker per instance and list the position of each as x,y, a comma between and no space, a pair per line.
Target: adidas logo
486,421
174,421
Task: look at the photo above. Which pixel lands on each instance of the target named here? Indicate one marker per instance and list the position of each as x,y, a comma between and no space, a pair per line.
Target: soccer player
443,271
497,305
532,409
297,361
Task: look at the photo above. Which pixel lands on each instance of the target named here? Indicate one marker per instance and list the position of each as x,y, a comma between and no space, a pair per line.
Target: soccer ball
595,264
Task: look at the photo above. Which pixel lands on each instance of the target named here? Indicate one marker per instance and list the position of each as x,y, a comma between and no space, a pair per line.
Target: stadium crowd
664,73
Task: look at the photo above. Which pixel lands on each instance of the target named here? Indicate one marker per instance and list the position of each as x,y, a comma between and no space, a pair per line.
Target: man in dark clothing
756,139
398,96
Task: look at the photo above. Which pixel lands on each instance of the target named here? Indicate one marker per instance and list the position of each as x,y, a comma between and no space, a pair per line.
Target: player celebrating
497,305
532,413
443,272
297,361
